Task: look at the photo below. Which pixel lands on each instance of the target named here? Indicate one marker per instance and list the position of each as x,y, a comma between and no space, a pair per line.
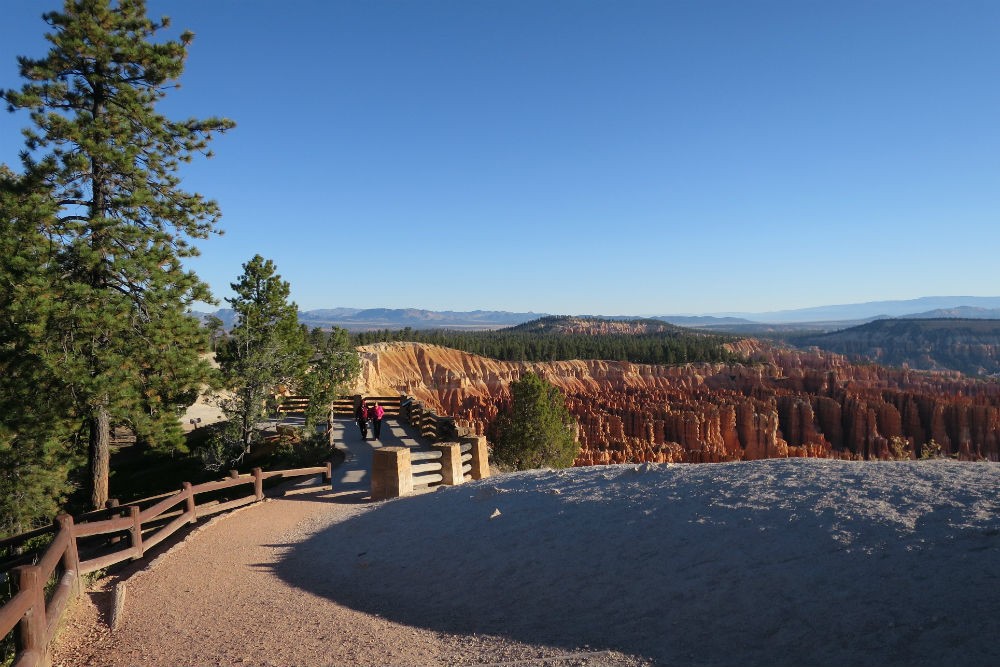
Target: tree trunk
100,457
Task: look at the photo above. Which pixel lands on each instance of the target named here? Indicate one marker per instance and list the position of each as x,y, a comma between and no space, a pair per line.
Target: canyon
779,403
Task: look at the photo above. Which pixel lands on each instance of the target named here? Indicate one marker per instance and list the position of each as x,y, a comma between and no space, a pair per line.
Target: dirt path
215,599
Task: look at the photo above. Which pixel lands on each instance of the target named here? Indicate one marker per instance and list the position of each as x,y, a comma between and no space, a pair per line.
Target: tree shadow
678,580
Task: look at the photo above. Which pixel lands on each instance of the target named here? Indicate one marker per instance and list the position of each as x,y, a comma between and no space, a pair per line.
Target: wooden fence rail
36,619
149,521
397,471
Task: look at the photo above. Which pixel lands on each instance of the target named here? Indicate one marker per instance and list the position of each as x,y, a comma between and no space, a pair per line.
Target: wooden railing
293,405
342,405
36,618
432,426
457,456
399,471
119,533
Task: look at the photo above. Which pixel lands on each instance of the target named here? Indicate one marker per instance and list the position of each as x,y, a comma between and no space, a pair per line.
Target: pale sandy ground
205,408
782,562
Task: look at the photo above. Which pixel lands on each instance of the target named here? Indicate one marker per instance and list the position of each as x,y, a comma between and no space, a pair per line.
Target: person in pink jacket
376,413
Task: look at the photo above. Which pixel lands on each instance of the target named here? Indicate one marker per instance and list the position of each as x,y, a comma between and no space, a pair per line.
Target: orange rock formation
782,403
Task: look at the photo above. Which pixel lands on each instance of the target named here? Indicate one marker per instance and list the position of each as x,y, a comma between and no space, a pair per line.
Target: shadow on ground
678,571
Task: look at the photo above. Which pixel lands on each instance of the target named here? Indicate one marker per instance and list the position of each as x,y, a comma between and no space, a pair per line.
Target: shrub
931,450
536,430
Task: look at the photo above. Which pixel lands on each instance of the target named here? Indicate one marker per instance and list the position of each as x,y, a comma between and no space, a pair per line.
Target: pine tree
265,351
536,430
111,322
38,445
335,366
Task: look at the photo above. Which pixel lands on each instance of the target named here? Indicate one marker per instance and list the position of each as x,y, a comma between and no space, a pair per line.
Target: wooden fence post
417,416
392,475
328,473
111,503
189,503
71,557
136,531
446,429
404,408
234,474
451,462
480,456
258,484
33,627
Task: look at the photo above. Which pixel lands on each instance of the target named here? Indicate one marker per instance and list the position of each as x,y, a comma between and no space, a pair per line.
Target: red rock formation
784,403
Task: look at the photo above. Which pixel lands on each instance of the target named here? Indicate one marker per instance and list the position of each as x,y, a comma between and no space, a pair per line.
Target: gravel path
216,599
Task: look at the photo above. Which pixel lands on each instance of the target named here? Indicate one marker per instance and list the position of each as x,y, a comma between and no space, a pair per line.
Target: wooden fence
399,471
432,426
342,405
456,457
119,533
36,614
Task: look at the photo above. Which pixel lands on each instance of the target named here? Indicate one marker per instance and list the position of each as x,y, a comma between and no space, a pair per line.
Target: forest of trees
96,228
527,343
96,330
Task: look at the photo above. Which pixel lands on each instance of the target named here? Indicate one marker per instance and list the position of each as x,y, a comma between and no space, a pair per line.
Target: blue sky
590,156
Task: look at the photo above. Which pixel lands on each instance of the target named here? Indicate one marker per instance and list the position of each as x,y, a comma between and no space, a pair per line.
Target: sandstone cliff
783,403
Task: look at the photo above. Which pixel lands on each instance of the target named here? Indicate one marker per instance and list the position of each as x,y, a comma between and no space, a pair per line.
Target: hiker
377,412
361,416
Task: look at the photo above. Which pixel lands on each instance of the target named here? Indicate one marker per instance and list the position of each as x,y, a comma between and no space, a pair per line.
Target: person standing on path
361,416
377,413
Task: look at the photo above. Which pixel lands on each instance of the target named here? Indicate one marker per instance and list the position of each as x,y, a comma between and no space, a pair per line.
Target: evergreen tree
38,444
216,329
335,366
266,350
536,430
109,323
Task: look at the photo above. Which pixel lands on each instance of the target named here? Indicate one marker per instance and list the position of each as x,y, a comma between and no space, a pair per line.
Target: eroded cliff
782,403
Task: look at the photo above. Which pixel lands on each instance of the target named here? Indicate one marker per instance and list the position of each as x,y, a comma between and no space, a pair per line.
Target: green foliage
215,328
535,430
670,345
899,448
265,351
38,443
300,452
931,450
34,480
335,366
107,297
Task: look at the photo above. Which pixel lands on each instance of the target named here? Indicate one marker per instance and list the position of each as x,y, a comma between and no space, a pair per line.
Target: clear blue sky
590,156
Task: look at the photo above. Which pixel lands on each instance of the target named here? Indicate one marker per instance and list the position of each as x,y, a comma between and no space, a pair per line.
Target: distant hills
368,319
962,333
962,312
874,309
821,318
971,346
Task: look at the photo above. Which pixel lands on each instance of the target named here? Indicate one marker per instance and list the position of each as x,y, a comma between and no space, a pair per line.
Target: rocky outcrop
782,403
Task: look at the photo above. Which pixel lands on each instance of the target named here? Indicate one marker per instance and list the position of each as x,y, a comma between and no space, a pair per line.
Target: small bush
931,450
899,448
536,430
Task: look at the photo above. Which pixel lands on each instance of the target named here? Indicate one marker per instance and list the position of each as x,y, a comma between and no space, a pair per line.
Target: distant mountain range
358,319
927,306
971,346
821,318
